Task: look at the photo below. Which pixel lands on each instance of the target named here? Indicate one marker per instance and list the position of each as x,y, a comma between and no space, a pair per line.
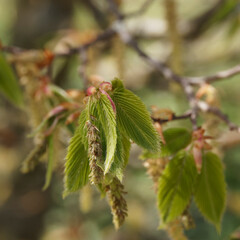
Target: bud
91,90
106,86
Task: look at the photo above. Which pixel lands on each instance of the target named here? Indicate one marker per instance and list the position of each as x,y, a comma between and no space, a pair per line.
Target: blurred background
204,38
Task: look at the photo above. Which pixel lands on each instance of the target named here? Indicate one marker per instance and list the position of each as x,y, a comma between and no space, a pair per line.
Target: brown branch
204,107
107,34
119,28
186,115
216,77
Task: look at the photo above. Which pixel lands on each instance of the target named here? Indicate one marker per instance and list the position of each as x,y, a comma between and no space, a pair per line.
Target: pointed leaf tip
134,119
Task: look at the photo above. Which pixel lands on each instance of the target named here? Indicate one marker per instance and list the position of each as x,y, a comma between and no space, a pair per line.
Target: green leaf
8,83
210,195
176,186
50,163
121,155
126,148
176,139
77,164
134,119
117,83
107,118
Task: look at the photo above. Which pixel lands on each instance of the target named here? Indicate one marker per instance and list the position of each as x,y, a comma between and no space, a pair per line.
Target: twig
216,77
186,115
107,34
204,107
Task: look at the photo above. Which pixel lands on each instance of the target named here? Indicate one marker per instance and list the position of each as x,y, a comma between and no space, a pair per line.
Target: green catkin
94,153
115,192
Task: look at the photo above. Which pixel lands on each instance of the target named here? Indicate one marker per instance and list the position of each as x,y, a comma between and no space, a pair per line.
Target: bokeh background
208,41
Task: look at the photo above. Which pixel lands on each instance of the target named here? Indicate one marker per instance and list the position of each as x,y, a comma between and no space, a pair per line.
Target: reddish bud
106,86
91,90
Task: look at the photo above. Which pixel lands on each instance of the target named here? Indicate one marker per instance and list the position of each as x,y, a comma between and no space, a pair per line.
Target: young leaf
176,186
8,83
117,83
50,162
121,155
84,117
210,194
134,119
108,121
77,164
176,139
126,148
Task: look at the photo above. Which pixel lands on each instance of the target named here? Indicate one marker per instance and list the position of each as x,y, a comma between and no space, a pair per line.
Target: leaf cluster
180,181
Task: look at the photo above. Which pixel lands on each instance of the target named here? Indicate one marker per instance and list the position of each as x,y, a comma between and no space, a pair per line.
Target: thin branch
216,77
186,115
119,28
204,107
107,34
